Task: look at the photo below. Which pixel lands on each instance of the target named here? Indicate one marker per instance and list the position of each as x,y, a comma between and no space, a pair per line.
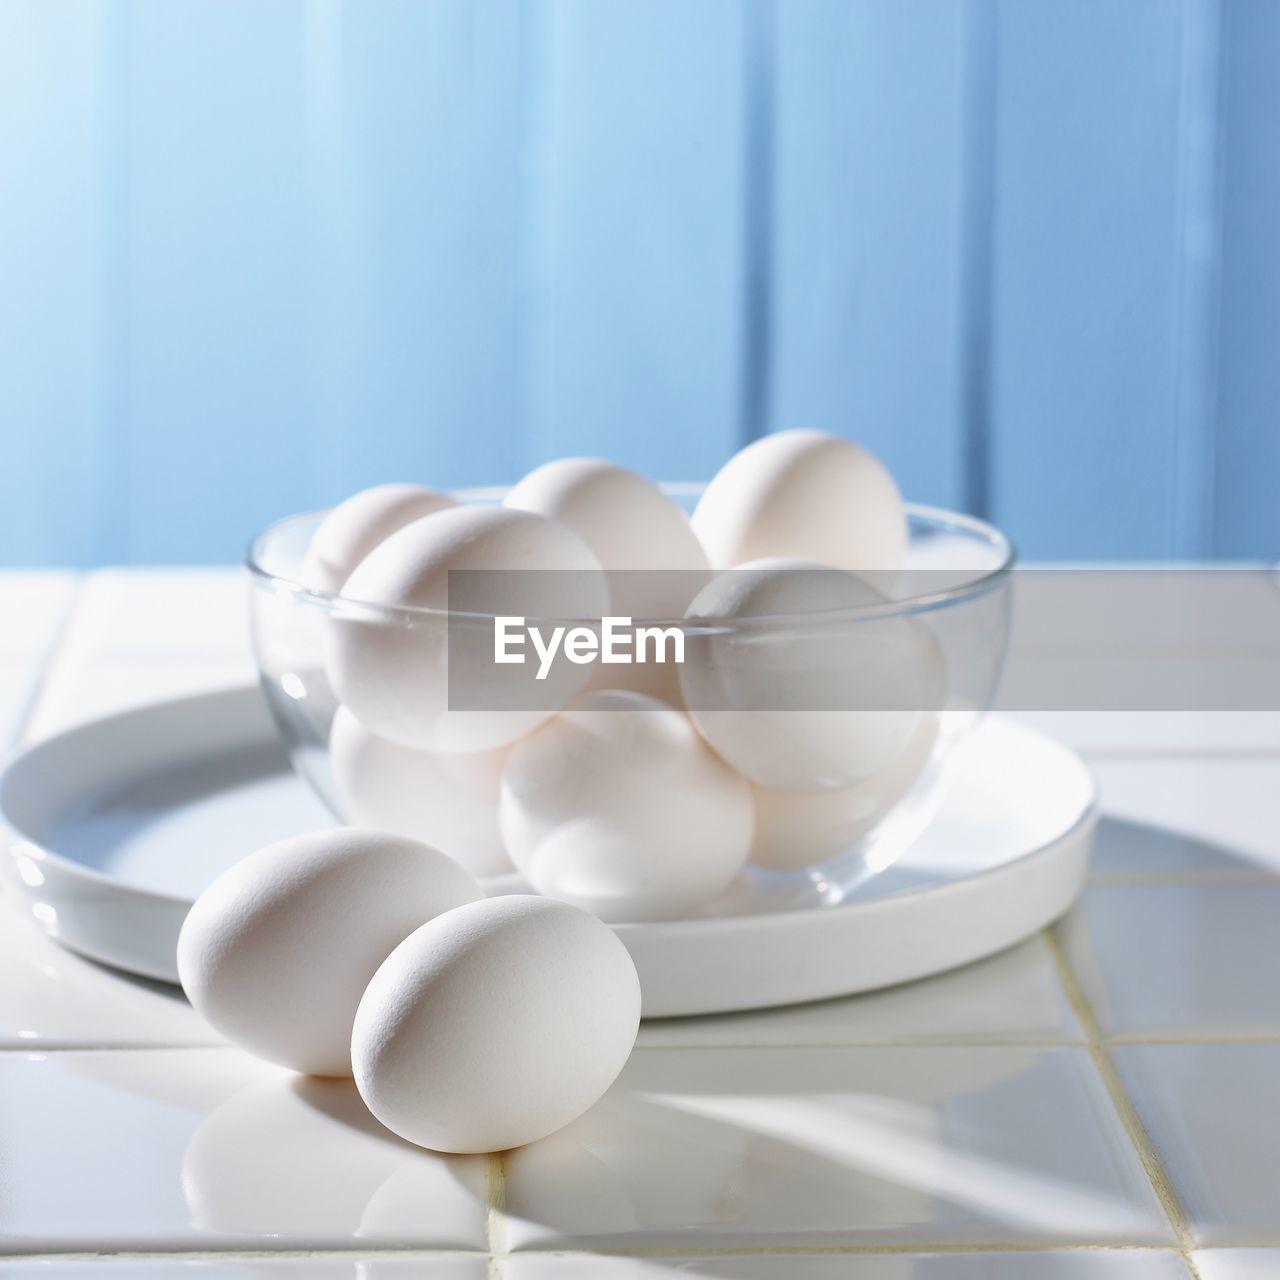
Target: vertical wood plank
217,438
1247,513
870,154
55,331
419,173
1088,345
636,329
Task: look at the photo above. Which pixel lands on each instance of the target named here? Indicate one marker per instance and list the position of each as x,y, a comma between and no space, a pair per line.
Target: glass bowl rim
982,581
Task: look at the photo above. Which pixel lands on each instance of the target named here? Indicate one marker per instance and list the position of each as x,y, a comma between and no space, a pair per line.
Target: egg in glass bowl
794,743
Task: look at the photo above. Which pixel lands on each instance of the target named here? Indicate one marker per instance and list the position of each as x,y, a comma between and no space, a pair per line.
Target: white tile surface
199,1148
33,607
1204,816
1238,1264
50,998
1137,1264
74,692
122,613
35,603
755,1147
1171,960
18,682
714,1148
1213,1113
308,1268
1013,996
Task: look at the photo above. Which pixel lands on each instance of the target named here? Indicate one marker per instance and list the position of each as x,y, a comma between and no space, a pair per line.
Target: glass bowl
954,592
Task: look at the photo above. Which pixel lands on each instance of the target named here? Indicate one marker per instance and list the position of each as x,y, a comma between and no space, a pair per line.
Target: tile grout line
1127,1112
39,1048
52,651
705,1046
358,1251
55,653
884,1250
495,1213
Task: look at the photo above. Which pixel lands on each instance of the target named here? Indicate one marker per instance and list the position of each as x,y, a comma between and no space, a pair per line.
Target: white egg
803,493
428,680
277,951
495,1025
618,806
796,686
629,524
446,799
642,539
354,527
798,829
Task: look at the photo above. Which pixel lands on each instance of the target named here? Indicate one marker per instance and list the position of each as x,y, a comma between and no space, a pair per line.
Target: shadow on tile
167,991
1125,846
774,1147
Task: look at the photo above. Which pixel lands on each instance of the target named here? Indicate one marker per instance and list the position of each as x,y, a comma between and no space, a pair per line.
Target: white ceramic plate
117,824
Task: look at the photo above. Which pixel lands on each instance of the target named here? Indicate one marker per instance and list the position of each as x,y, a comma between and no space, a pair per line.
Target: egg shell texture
495,1025
803,493
797,829
277,951
629,524
803,689
618,806
353,528
392,670
644,542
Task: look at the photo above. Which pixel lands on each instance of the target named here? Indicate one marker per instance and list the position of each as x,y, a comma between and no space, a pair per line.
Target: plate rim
91,904
24,755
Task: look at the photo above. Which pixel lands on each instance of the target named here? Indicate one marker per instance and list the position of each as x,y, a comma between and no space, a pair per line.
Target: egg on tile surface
446,799
354,527
796,685
495,1024
808,494
798,829
618,806
277,951
433,685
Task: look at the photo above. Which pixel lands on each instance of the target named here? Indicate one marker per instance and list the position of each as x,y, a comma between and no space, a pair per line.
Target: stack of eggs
643,795
474,1023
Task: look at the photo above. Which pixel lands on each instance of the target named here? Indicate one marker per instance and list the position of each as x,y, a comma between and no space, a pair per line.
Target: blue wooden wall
255,256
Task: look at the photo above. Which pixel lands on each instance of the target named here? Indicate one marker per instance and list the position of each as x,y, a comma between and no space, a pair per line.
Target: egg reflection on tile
874,1145
1136,1264
169,1149
347,1175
